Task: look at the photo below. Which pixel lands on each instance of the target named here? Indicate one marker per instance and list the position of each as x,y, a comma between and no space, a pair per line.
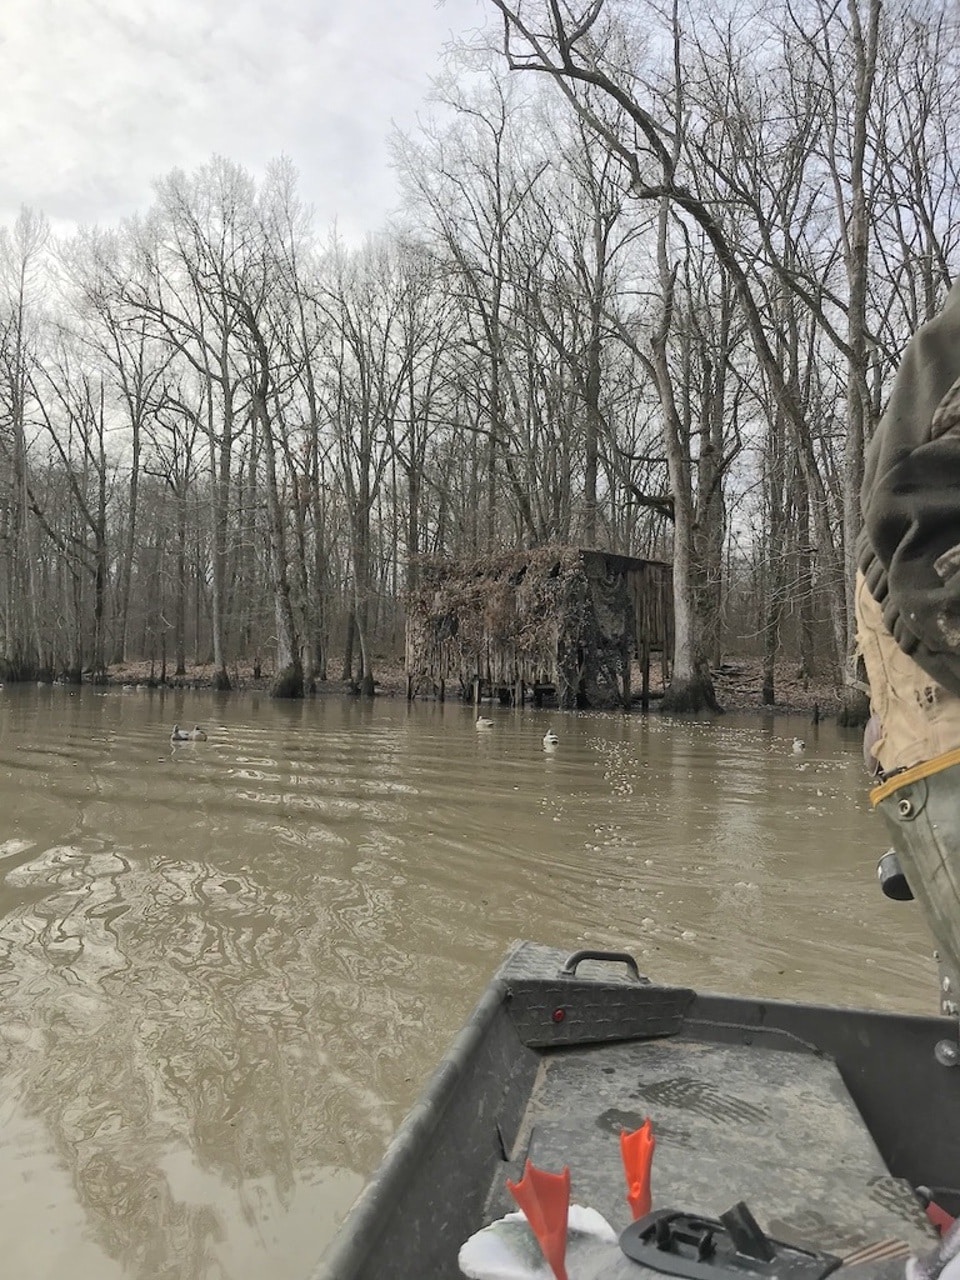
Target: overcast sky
100,97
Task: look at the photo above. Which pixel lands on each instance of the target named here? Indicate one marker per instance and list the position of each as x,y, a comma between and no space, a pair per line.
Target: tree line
651,274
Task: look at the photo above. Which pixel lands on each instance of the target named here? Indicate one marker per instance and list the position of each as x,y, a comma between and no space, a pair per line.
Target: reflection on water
227,967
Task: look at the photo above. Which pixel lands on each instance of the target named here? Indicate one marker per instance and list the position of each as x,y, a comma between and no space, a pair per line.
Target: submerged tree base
854,709
15,670
694,694
288,683
221,681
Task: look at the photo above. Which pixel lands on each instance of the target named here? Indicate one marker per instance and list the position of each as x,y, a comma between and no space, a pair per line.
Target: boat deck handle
609,957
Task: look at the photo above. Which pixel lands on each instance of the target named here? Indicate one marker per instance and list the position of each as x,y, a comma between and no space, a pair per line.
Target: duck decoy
550,739
484,723
565,1232
196,734
799,746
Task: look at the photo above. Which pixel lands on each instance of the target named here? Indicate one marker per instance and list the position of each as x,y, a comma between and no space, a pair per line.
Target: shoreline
737,684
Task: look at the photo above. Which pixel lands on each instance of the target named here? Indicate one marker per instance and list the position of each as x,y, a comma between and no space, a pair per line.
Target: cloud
101,97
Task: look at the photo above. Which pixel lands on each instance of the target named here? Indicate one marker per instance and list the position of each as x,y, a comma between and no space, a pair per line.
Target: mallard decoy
550,739
799,746
484,723
197,734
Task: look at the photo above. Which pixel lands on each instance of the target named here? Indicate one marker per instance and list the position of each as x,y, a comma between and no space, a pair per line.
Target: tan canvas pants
918,719
915,728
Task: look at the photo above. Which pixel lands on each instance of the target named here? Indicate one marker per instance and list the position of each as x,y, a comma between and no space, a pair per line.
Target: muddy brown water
226,968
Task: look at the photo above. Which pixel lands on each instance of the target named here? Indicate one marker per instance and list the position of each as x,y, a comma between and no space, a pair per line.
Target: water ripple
226,967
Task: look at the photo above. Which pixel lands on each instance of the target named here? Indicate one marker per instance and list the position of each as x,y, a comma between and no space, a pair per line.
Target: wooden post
443,689
476,693
409,687
645,676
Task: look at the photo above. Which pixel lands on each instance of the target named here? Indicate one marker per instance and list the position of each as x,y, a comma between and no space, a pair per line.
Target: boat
837,1128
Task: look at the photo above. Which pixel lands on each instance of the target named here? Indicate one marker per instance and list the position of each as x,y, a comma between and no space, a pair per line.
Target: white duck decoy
196,734
484,723
798,747
550,739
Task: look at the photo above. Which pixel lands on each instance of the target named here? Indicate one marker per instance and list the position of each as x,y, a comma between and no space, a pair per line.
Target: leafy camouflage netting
555,616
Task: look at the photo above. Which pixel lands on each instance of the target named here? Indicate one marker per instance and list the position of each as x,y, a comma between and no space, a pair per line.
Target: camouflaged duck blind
556,620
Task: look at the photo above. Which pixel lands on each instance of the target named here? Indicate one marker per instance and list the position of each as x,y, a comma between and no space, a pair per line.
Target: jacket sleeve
911,491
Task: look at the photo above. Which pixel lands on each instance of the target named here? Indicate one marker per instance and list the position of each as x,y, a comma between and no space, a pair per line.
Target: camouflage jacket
909,547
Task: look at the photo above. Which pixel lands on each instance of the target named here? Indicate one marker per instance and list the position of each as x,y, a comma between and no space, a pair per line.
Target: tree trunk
288,682
691,687
348,644
130,545
591,444
220,465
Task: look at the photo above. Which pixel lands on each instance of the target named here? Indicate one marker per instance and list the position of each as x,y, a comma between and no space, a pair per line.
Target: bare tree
20,265
426,337
170,441
571,48
119,342
473,180
297,323
362,303
193,249
71,408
